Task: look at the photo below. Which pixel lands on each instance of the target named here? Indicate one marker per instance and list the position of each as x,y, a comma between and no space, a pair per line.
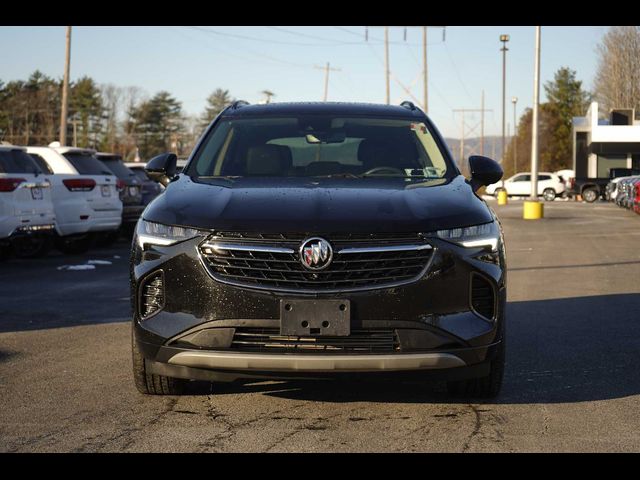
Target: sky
191,62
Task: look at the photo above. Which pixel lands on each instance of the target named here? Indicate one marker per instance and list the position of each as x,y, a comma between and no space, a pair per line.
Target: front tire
33,247
549,194
150,383
107,239
74,245
590,195
483,387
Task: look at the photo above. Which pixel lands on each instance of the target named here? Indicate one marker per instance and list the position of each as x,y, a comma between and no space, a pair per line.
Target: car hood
279,205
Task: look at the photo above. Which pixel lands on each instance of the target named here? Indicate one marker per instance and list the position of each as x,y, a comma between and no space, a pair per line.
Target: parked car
591,189
85,196
566,176
636,200
150,189
27,219
549,186
612,191
129,187
180,164
318,240
625,192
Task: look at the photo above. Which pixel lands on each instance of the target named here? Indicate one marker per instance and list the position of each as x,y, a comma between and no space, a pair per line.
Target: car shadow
559,351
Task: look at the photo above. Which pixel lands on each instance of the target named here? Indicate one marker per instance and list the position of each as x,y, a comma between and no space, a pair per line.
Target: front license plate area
315,317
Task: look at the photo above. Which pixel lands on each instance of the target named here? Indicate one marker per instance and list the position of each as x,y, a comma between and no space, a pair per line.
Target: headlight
158,234
485,235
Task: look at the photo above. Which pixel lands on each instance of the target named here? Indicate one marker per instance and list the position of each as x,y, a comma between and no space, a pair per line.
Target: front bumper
131,213
437,328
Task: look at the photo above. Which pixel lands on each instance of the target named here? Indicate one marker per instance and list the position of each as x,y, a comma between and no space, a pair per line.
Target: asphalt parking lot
572,382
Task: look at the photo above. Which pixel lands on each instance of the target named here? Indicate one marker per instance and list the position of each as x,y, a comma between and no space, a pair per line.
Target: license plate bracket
315,317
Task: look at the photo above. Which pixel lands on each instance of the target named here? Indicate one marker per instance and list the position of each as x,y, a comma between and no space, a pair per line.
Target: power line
305,35
258,39
455,69
379,40
260,54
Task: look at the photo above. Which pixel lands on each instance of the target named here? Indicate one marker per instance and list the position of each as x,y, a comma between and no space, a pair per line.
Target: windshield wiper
340,175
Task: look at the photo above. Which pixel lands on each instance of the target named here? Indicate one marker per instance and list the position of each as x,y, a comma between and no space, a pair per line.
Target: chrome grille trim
273,264
390,248
245,248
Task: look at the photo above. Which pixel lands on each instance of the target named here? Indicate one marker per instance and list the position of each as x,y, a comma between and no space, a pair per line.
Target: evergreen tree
566,100
85,105
216,102
157,124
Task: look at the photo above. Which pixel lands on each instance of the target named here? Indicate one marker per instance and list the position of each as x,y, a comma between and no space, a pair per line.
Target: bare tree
111,98
617,81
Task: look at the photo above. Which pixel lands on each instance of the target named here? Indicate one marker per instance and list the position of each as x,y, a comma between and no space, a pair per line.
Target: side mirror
484,171
162,168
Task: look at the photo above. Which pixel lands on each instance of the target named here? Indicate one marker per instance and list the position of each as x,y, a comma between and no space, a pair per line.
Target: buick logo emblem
316,253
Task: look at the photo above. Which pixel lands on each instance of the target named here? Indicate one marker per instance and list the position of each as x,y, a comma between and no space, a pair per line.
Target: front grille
273,261
270,340
378,238
482,296
152,295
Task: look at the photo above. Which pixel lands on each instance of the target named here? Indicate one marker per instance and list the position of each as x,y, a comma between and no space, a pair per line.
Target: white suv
84,192
549,185
26,211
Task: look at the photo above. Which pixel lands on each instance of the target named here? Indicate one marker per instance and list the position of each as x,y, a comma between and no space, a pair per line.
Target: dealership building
602,144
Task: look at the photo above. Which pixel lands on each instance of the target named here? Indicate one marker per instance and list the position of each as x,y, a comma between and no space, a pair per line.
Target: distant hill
492,147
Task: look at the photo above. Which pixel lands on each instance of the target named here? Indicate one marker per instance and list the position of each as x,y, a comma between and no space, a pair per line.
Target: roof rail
239,103
409,105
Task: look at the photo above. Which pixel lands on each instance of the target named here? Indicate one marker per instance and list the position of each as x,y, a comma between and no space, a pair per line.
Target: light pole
532,207
504,39
514,100
65,91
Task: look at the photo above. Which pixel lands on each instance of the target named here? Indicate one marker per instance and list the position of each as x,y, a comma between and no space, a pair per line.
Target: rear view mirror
162,168
332,136
484,171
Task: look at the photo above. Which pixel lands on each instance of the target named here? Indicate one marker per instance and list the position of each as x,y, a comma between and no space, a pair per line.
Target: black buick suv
319,240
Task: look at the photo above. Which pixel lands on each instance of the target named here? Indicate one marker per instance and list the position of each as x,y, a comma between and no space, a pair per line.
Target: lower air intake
482,297
152,295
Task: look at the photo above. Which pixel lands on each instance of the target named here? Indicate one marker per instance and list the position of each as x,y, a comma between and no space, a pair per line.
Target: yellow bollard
533,210
502,197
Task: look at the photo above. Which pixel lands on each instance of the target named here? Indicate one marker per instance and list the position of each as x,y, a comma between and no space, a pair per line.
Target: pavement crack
476,428
128,432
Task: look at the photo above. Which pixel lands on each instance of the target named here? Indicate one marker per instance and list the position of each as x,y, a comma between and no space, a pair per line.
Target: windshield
87,164
320,146
117,166
17,161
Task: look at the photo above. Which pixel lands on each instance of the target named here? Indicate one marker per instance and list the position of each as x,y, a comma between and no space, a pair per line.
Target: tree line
127,121
616,85
123,120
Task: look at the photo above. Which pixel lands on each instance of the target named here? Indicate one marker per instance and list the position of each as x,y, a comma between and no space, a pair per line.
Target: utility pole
425,77
504,39
425,82
326,69
471,129
514,100
534,126
386,64
65,91
74,122
462,143
482,125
